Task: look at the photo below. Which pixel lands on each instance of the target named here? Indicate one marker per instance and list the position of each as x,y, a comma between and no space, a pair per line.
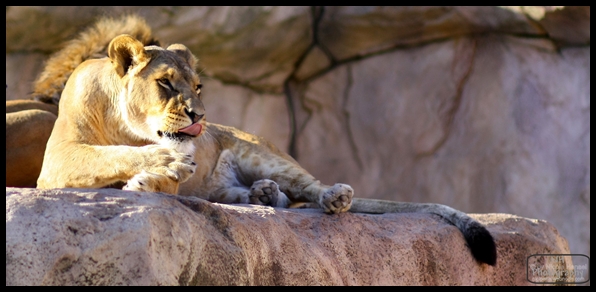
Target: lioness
137,117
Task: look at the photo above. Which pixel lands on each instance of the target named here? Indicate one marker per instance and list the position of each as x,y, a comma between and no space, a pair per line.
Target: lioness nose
193,116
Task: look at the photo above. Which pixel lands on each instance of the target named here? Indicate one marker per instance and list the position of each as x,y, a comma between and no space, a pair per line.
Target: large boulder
113,237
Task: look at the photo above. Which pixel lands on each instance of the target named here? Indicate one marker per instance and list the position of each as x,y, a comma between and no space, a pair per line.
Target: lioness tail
479,240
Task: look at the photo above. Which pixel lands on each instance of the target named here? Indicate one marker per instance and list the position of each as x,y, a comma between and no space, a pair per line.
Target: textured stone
486,124
21,71
113,237
253,46
259,114
351,31
314,62
566,25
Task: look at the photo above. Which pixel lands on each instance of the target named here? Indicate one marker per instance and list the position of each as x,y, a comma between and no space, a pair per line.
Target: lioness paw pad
266,192
337,199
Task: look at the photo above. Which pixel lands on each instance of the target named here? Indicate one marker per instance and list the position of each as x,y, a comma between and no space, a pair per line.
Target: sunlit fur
131,122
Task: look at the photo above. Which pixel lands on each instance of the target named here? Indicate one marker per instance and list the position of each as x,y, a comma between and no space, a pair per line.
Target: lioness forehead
172,64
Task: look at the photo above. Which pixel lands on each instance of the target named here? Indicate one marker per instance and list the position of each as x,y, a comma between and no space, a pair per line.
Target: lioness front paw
169,162
151,182
266,192
337,198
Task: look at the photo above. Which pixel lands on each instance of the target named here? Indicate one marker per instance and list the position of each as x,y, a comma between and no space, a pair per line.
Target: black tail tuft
481,243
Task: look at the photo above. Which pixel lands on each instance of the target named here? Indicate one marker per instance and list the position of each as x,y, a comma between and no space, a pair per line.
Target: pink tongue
192,130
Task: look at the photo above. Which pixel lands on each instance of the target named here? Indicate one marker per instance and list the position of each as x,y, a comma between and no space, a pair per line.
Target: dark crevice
351,139
545,34
457,100
309,113
336,63
537,24
404,46
317,14
292,119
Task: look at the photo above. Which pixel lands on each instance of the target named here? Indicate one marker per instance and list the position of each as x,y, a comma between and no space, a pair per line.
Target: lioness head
161,96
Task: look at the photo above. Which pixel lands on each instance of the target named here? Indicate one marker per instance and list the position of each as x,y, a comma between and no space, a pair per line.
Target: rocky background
485,109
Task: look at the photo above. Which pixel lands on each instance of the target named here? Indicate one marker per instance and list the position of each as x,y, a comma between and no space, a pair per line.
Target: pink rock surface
113,237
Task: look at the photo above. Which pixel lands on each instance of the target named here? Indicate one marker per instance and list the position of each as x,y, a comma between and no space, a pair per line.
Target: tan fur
28,127
135,103
23,105
124,108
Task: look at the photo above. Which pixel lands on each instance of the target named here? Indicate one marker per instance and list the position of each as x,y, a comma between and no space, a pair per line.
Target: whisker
207,136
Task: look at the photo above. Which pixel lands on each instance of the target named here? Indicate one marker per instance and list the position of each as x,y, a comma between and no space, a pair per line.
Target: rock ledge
113,237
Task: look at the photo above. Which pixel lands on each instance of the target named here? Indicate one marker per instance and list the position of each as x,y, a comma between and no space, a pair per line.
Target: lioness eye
165,83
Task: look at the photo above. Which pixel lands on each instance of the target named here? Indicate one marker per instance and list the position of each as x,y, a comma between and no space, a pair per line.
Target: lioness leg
267,192
22,104
296,182
225,187
263,192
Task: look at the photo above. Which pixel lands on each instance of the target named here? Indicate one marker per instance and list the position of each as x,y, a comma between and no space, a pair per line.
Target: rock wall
113,237
486,109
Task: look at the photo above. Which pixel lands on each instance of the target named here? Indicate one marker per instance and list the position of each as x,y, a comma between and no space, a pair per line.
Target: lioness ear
126,52
185,53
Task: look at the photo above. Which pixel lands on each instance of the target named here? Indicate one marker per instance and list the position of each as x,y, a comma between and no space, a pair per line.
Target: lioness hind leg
27,133
337,198
13,106
300,186
263,192
224,186
296,182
